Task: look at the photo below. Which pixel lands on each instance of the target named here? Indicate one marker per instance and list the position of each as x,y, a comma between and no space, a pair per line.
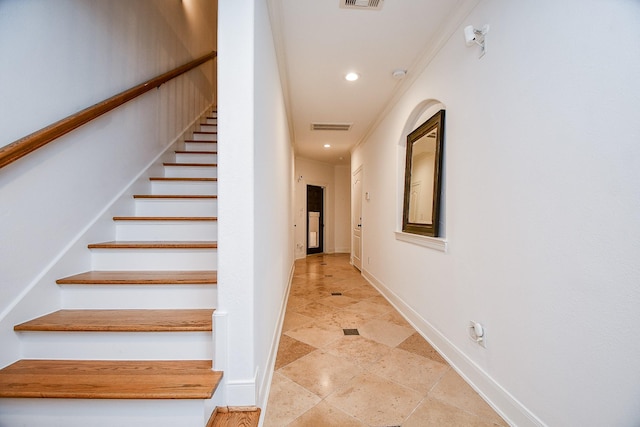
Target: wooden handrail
23,146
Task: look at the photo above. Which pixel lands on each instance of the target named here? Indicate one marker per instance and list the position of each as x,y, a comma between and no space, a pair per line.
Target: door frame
354,198
321,236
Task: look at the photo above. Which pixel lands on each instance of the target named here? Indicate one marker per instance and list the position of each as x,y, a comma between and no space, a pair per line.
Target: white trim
241,391
265,387
436,243
506,405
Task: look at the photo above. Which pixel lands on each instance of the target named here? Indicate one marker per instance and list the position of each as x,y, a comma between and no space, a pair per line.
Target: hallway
385,374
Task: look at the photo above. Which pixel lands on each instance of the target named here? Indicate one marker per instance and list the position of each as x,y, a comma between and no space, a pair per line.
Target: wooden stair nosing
165,218
173,196
162,178
93,379
127,320
199,165
194,152
141,244
205,277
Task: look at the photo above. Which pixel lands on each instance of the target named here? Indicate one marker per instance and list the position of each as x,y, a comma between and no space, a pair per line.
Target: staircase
132,344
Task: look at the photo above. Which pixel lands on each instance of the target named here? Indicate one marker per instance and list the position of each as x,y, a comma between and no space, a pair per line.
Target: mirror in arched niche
424,140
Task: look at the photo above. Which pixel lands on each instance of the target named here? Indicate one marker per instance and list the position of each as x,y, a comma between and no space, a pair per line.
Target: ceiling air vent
331,126
362,4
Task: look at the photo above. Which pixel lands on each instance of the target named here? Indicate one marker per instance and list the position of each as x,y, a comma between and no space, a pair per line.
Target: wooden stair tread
234,417
154,245
141,278
201,132
165,218
88,379
162,178
201,165
173,196
194,152
201,141
130,320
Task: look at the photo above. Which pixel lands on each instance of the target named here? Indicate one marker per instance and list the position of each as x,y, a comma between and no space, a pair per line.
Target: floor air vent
331,126
362,4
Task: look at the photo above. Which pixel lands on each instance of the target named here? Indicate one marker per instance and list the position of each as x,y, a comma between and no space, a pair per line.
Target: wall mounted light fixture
473,36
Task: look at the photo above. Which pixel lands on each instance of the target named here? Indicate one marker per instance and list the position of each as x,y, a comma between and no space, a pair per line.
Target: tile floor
388,375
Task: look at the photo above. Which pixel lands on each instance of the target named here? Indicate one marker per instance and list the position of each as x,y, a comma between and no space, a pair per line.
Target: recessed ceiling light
352,77
327,145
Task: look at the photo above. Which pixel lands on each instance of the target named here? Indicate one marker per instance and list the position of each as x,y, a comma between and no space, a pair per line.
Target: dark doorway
315,219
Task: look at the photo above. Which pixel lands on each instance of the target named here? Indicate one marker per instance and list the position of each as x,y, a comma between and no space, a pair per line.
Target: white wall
542,199
342,217
335,181
255,202
274,231
58,58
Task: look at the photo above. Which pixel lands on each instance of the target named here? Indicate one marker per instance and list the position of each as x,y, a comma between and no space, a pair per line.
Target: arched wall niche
420,114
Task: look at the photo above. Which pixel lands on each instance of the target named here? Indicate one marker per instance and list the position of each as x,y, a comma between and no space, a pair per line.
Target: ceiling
318,43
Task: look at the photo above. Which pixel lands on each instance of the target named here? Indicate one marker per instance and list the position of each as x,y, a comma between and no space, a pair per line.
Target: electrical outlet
477,333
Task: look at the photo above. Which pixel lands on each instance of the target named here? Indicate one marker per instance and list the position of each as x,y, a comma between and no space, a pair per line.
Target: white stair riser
176,207
117,345
103,412
190,172
205,136
196,158
212,121
154,259
208,188
209,127
201,146
166,230
120,297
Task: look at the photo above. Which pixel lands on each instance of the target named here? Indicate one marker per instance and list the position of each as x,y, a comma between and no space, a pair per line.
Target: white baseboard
514,412
241,391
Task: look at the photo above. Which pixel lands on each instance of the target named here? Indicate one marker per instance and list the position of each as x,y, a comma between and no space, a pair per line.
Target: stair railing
23,146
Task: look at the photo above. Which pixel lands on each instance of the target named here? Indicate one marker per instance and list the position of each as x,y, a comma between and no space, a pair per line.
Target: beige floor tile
368,309
413,371
338,301
294,320
394,317
325,415
379,299
321,372
361,292
385,332
375,401
289,350
418,345
314,309
357,375
344,319
287,401
358,349
316,334
296,301
432,413
453,390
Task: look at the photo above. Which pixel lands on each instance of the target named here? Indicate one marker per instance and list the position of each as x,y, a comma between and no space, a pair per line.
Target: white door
356,221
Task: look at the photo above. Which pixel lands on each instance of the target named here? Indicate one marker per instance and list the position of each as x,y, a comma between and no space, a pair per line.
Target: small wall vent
331,126
362,4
